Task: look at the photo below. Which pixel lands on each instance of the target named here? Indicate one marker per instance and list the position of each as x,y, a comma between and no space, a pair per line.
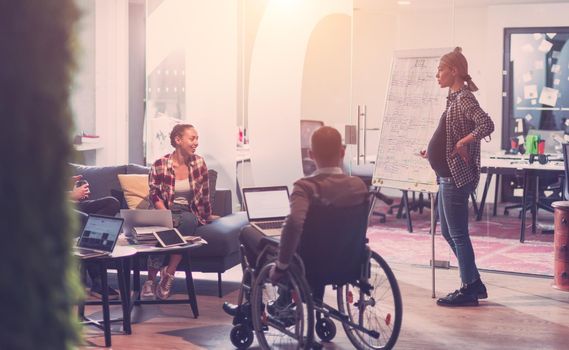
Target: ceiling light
403,2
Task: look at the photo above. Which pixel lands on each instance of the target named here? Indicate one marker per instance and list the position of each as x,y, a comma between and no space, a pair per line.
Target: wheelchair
369,308
286,316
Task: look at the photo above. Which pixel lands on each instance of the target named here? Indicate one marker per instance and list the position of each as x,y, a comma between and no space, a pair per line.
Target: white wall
275,81
111,80
373,45
83,92
211,94
327,71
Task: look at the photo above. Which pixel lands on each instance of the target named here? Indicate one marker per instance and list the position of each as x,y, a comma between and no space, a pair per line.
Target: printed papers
530,91
548,96
545,46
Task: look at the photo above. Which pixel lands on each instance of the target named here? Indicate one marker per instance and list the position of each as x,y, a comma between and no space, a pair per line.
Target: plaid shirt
464,116
162,183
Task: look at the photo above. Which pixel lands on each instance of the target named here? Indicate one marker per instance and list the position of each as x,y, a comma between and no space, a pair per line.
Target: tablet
169,238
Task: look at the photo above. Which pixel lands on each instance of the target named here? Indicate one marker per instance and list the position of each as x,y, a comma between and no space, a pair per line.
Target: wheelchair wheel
325,329
241,336
283,314
375,305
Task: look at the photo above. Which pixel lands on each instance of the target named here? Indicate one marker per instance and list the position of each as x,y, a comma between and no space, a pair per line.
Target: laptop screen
266,202
100,233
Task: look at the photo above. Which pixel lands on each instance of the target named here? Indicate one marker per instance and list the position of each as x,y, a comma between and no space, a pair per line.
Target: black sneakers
467,295
97,292
458,298
230,309
477,288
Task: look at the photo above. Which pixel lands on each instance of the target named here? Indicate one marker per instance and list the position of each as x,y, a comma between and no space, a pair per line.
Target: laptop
99,236
267,208
152,218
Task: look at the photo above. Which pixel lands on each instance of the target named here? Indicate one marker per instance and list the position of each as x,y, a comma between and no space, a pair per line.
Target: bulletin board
414,105
536,82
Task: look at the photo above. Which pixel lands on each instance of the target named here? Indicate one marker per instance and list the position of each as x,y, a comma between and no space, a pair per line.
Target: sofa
223,249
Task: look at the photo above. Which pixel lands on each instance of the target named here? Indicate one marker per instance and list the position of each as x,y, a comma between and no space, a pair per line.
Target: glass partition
283,68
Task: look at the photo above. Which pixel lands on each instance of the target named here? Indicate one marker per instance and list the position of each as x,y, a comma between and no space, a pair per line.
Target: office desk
516,165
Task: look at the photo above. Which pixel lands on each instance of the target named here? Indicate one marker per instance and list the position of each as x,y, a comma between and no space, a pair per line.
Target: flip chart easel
413,107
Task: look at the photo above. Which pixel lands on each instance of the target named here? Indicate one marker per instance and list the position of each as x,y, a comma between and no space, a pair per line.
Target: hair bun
458,49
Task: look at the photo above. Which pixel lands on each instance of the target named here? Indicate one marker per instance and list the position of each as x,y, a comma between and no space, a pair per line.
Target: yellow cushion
135,189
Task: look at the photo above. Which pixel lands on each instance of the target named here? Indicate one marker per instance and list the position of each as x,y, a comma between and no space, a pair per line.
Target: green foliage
38,285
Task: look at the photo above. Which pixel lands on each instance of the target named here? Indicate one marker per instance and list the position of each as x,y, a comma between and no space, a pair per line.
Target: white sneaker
165,286
149,289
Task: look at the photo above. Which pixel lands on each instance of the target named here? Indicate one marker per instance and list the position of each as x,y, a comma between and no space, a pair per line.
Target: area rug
495,240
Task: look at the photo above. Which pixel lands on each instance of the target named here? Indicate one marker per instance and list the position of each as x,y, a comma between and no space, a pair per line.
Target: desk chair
365,172
307,127
532,191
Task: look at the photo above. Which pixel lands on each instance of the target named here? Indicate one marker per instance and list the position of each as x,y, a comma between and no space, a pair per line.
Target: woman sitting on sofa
179,182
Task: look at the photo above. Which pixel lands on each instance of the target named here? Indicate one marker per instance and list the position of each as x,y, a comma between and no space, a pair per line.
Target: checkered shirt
162,183
464,116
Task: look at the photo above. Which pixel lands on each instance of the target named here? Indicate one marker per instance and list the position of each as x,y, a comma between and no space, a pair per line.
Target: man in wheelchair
328,185
322,204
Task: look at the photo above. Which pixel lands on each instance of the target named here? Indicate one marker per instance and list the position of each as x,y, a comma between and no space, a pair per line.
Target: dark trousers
251,239
108,206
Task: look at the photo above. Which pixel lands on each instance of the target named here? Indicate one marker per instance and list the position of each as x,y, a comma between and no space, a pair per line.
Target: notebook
267,208
99,236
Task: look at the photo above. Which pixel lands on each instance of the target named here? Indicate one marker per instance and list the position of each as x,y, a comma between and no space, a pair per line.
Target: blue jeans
184,220
453,212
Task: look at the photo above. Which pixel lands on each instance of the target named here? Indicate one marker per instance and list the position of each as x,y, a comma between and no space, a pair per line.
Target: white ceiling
390,5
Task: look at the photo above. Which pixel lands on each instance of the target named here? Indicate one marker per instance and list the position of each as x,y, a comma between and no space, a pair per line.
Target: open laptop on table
99,236
154,219
267,208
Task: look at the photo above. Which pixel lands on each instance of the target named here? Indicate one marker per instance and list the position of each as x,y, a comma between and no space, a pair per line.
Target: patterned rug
495,240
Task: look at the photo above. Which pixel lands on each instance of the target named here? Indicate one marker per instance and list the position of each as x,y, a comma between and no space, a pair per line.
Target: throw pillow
135,188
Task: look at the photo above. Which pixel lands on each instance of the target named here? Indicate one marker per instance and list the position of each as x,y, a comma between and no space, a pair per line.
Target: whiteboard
413,107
